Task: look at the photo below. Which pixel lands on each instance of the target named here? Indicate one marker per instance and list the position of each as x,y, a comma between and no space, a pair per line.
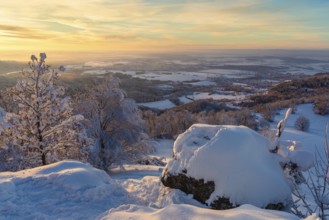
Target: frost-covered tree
43,129
114,123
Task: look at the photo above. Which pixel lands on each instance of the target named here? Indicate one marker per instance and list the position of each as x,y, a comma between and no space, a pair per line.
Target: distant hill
310,89
10,66
316,85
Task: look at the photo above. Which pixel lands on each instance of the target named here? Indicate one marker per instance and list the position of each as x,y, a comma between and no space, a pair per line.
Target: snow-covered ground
72,190
315,137
203,83
167,104
104,63
175,76
64,190
95,72
182,76
163,104
215,96
189,212
230,73
207,95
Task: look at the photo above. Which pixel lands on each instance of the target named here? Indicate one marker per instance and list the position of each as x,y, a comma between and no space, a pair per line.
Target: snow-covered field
215,96
72,190
175,76
163,104
182,76
167,104
203,83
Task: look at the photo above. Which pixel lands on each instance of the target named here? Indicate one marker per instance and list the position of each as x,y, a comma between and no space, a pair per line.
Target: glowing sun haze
162,25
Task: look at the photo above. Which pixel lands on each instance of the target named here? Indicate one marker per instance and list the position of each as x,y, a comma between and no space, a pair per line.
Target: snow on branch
280,128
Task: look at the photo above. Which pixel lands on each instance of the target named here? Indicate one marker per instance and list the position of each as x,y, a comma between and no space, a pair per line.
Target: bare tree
113,122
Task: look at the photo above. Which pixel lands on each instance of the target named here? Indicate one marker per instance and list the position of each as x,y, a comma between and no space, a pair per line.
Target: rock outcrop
227,166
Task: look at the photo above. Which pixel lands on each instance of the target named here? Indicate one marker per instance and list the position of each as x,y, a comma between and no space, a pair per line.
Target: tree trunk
101,155
40,139
43,158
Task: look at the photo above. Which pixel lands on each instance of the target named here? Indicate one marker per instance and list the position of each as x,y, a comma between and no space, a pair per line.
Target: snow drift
236,159
63,190
189,212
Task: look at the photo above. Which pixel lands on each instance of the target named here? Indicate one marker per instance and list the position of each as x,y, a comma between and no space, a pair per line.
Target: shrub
268,115
302,123
321,106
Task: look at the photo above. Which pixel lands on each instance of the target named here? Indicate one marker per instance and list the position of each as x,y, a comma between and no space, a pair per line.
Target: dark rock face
202,190
278,206
222,203
152,161
293,171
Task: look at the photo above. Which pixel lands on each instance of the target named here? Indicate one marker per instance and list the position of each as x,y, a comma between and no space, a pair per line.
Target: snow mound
189,212
236,158
292,151
63,190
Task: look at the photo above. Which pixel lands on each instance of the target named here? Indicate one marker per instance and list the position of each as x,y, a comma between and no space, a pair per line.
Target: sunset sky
162,25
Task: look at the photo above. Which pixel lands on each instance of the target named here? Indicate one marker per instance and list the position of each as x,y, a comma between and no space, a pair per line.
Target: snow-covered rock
189,212
292,151
63,190
232,163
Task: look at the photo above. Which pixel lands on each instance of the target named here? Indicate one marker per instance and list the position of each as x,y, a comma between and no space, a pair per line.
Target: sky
162,25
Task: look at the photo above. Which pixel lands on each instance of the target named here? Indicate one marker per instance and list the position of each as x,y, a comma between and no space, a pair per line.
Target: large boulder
227,166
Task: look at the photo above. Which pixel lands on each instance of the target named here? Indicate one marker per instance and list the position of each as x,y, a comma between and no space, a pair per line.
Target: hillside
308,88
73,190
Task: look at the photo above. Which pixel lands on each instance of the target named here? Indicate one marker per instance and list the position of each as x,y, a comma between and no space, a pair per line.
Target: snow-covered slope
73,190
310,140
64,190
189,212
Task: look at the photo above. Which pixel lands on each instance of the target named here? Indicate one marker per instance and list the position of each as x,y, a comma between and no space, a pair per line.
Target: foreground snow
64,190
73,190
189,212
